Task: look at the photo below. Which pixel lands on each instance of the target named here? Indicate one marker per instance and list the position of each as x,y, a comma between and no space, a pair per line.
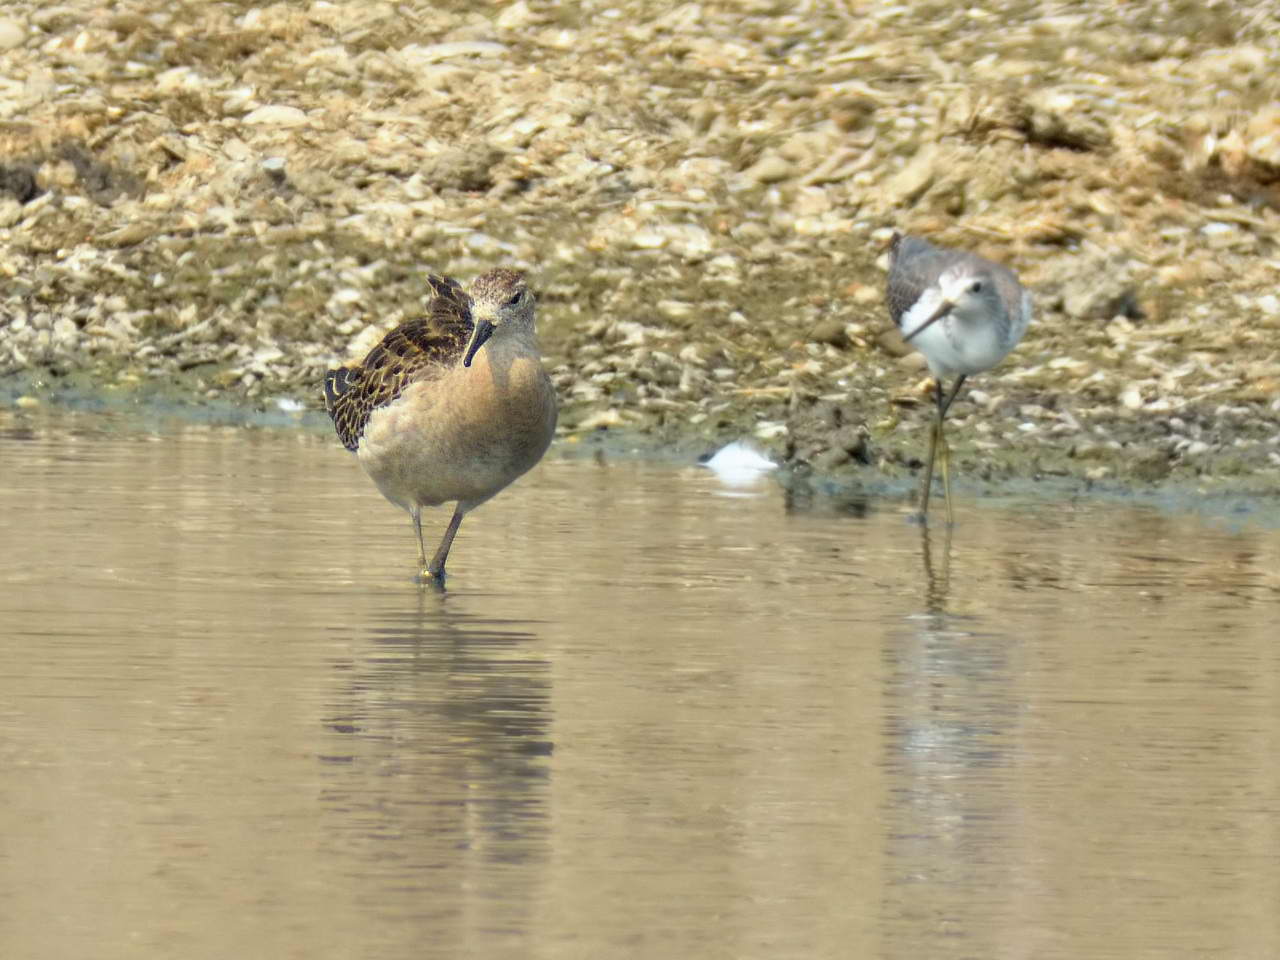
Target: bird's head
965,292
500,300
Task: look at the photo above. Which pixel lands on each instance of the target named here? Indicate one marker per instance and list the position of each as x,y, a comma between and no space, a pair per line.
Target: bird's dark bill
942,311
480,333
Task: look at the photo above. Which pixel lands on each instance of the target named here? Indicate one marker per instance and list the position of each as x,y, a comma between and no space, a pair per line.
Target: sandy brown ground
219,200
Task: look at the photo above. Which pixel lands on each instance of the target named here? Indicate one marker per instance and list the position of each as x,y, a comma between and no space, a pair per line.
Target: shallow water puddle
651,717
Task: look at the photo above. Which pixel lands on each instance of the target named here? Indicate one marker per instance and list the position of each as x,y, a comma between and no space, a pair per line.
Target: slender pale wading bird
450,407
964,313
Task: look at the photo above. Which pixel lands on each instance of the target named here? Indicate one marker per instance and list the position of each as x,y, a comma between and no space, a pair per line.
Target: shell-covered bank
217,201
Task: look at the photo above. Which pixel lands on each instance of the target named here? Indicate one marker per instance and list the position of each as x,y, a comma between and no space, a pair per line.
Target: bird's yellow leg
944,404
926,486
416,514
935,436
946,472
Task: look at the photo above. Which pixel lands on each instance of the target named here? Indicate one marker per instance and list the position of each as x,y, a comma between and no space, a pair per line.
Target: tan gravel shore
220,200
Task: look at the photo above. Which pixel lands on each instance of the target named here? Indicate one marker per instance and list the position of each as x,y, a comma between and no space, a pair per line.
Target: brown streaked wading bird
964,313
450,407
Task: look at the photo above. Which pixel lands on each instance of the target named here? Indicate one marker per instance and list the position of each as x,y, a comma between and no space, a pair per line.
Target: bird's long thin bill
480,333
942,311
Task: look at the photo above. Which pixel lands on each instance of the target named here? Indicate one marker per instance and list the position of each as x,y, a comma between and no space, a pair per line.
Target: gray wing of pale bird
1016,299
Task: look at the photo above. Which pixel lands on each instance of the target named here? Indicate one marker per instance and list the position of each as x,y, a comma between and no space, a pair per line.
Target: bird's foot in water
431,578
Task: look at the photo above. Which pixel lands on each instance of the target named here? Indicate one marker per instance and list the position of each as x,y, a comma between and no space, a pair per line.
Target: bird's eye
975,287
515,298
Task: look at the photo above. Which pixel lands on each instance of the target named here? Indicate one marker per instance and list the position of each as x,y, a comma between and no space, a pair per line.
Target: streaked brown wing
449,301
415,350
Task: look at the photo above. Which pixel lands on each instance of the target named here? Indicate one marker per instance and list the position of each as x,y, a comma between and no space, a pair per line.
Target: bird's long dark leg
943,407
436,568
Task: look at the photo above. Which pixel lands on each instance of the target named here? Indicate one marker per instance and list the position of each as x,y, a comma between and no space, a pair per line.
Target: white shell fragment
739,464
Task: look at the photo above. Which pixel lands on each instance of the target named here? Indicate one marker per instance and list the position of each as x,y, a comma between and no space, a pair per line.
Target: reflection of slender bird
964,313
450,407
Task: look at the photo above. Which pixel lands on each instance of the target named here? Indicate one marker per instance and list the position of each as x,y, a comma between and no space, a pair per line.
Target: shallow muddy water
652,716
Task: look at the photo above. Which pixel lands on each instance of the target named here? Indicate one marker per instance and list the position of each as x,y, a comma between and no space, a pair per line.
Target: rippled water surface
652,717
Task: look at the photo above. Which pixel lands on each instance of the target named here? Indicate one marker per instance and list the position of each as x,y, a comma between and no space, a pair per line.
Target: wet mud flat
76,404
